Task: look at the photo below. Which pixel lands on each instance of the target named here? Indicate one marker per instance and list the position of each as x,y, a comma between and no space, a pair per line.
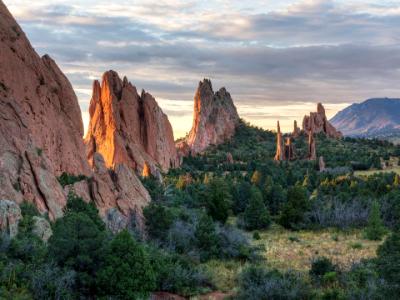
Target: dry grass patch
295,250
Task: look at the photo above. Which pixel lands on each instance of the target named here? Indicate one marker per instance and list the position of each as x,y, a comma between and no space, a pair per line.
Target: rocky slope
41,135
317,122
377,117
214,119
129,128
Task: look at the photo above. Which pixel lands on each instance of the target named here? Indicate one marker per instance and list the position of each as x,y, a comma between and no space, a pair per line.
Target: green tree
256,177
296,205
76,244
158,220
206,237
218,199
256,215
76,204
375,229
126,272
388,262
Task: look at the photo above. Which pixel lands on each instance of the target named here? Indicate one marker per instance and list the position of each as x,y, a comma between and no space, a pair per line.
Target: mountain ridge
374,117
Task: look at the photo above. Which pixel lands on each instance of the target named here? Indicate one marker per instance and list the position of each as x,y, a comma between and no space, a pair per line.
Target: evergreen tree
158,219
126,272
218,199
375,229
297,204
76,244
256,215
206,237
388,263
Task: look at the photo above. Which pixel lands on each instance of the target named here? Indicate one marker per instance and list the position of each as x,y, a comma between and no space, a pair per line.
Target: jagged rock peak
41,133
214,118
317,122
128,128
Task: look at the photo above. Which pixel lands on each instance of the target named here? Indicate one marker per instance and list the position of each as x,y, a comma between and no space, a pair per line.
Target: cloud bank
276,59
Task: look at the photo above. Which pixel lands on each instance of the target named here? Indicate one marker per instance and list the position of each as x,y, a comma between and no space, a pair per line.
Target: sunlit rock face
214,119
129,128
41,136
317,122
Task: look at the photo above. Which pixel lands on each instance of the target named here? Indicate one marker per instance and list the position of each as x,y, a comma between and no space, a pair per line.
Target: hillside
378,117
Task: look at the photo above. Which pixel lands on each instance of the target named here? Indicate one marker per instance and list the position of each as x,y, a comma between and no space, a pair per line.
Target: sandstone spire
317,122
280,153
129,128
312,153
41,136
296,130
214,119
289,149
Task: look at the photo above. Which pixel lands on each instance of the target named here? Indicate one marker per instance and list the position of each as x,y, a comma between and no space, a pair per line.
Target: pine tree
256,215
375,229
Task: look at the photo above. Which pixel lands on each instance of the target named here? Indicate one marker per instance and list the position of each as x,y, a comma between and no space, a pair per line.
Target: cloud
273,56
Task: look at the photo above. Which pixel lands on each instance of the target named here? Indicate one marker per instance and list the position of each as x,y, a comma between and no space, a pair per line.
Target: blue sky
277,58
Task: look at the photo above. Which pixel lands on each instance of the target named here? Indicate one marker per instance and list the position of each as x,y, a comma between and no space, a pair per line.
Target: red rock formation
289,149
317,122
229,158
312,152
280,152
146,170
214,119
296,130
40,123
322,165
41,135
128,128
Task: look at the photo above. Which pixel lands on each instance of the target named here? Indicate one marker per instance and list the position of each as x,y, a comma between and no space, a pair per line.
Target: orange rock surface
128,128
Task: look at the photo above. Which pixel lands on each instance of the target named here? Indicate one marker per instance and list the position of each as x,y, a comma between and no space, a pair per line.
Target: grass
290,250
286,250
395,169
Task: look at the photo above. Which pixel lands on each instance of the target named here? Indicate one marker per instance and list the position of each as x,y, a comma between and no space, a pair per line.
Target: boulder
42,228
10,215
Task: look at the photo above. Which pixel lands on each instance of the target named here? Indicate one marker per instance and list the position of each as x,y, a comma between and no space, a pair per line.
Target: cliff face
317,122
40,123
41,135
128,128
214,118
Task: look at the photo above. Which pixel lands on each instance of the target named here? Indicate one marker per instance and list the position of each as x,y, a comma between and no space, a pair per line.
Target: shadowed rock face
129,128
214,118
41,135
317,122
40,123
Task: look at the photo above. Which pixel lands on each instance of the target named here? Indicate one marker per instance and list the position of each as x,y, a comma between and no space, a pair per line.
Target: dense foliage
210,211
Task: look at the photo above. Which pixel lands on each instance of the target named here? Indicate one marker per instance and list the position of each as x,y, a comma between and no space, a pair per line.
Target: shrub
257,283
76,204
126,271
256,215
67,179
256,235
320,267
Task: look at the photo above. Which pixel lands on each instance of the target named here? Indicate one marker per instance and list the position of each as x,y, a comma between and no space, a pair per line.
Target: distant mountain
373,118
